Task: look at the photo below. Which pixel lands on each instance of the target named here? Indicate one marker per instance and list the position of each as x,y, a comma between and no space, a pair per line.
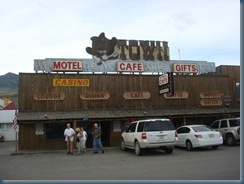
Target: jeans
97,142
79,147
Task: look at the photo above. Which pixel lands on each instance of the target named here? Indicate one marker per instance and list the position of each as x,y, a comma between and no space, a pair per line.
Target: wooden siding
28,140
234,73
116,86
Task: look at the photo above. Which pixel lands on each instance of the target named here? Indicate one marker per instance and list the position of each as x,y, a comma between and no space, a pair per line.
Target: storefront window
56,130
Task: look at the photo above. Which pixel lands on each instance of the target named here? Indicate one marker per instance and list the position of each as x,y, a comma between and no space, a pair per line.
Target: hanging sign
211,102
136,95
49,96
210,94
163,79
95,96
177,95
166,84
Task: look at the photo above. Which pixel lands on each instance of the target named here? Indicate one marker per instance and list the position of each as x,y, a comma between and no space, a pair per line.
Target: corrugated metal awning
124,113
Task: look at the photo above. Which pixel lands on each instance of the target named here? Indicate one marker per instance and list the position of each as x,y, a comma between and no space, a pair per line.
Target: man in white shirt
69,138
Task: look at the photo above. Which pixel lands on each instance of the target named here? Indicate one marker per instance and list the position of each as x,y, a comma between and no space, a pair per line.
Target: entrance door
105,130
88,128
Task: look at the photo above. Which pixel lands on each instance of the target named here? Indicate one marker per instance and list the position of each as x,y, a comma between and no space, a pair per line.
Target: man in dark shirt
97,139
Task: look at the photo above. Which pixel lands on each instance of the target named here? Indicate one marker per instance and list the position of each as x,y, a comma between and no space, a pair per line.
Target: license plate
211,135
160,136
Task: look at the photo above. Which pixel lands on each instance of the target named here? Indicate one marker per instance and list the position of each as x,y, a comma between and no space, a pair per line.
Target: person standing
69,138
84,139
97,139
80,140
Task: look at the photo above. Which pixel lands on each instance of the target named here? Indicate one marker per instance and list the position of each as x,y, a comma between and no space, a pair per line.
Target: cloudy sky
204,30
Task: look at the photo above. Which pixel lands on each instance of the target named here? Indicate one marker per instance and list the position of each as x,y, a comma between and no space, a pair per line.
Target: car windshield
201,129
234,122
158,126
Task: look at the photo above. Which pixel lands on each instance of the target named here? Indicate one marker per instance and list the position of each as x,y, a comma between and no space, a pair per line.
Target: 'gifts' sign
184,68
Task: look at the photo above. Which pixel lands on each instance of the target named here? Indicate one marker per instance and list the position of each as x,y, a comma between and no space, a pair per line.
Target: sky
203,30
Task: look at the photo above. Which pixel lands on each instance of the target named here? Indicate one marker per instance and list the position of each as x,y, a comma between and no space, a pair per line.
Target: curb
55,151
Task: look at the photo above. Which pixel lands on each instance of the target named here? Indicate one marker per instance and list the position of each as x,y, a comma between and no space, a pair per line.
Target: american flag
15,120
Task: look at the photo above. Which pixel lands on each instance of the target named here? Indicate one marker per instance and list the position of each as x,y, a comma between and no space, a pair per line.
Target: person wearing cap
69,138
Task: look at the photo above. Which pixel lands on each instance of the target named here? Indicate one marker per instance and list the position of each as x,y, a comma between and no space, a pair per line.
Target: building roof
125,113
10,106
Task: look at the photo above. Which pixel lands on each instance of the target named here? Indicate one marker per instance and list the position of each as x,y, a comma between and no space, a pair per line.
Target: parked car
229,128
150,133
193,136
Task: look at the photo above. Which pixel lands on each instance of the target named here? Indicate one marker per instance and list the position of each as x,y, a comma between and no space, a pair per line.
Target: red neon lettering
128,67
64,65
194,68
122,66
139,66
79,66
56,65
177,67
134,66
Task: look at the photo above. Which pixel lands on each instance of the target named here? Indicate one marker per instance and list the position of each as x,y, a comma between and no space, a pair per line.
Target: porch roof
124,113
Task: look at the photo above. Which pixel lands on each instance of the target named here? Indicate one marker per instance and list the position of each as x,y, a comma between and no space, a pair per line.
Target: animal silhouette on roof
102,49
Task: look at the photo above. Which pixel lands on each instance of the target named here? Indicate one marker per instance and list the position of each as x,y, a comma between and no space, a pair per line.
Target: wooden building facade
48,101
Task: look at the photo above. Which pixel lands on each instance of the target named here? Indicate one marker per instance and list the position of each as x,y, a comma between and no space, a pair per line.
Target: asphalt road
114,164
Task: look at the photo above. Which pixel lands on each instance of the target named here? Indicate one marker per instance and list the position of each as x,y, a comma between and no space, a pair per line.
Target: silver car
229,128
150,133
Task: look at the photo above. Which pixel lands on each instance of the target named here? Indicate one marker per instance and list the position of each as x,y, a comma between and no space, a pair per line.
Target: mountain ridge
9,84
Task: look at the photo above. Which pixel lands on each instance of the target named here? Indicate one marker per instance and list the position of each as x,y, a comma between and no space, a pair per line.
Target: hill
9,84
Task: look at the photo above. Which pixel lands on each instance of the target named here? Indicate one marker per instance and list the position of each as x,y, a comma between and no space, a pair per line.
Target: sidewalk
9,148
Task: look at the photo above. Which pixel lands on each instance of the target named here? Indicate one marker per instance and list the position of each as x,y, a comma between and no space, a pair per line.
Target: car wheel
169,150
189,145
230,140
123,145
138,150
215,147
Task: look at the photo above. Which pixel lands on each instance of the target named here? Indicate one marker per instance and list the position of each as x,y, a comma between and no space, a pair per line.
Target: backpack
77,139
